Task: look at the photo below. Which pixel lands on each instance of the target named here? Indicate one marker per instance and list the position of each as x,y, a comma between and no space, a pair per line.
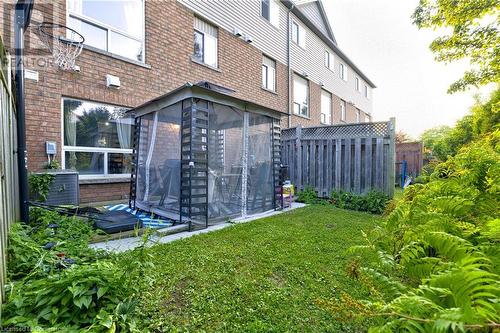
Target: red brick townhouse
280,54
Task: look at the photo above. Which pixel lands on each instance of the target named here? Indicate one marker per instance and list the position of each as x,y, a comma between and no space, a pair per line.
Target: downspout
289,23
23,11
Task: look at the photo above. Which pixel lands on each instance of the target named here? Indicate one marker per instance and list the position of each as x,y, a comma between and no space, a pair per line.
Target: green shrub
76,297
373,202
36,249
57,281
39,185
308,196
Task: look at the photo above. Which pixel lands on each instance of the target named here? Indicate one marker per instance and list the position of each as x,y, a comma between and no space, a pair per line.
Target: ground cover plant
372,202
274,274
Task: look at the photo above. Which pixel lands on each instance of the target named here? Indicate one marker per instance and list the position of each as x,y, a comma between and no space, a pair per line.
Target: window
366,91
270,10
205,42
300,96
326,107
343,72
358,115
342,110
328,60
121,33
298,35
97,139
357,84
367,118
268,73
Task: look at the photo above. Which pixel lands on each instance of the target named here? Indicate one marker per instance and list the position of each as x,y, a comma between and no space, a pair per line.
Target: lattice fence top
362,130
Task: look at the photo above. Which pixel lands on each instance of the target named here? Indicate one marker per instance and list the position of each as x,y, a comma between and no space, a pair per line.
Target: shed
203,156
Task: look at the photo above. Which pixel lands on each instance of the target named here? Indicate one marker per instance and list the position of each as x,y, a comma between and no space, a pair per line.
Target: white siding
246,15
311,61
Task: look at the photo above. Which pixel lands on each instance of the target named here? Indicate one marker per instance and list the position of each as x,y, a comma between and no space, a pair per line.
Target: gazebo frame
201,105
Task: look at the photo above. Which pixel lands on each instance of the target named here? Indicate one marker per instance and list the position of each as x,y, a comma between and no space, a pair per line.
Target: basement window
205,42
121,33
97,139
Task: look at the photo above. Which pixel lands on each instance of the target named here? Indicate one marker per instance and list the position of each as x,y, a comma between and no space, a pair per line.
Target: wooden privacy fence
352,157
8,162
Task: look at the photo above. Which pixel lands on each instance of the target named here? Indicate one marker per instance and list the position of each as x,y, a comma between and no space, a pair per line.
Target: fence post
298,159
391,167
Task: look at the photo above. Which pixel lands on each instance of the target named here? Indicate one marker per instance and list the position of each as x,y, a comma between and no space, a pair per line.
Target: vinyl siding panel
245,15
311,61
311,10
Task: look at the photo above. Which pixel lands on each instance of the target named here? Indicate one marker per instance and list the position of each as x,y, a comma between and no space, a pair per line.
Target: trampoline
203,156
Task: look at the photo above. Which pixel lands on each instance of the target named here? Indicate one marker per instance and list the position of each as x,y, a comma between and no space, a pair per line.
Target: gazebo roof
206,91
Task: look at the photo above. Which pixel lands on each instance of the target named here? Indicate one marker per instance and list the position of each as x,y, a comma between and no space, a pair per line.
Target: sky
379,37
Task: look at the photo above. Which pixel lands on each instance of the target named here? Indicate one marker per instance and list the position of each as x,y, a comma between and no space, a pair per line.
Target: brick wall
169,47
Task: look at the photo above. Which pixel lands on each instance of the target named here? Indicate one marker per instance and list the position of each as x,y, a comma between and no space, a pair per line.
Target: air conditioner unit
64,189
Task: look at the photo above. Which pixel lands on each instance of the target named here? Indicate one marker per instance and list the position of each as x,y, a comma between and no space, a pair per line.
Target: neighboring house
280,54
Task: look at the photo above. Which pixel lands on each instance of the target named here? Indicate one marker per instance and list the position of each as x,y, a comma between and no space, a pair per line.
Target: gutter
288,38
327,40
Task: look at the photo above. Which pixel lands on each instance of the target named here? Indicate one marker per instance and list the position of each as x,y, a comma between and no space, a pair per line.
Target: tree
471,31
402,137
484,118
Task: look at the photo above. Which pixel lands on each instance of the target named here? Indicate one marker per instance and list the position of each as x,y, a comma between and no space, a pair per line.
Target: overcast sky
381,40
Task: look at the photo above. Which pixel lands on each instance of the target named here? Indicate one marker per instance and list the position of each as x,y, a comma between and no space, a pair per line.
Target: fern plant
437,261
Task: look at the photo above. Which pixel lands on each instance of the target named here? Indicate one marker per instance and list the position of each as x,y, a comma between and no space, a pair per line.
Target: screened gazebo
203,156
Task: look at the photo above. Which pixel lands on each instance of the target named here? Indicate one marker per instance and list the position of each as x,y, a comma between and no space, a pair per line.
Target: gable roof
295,8
315,11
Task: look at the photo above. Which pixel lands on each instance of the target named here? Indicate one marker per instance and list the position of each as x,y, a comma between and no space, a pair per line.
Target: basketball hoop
65,43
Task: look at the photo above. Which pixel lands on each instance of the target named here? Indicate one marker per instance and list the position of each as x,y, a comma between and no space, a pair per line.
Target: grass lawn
264,276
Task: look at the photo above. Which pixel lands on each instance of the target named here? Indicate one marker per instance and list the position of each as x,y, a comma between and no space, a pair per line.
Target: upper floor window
367,118
357,84
343,71
205,42
96,138
268,73
326,107
300,96
298,34
358,115
270,10
342,110
113,26
328,59
366,91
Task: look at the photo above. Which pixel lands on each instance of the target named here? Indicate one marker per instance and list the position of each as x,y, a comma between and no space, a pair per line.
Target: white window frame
274,13
358,115
358,85
367,95
343,71
327,59
83,149
368,118
266,77
300,39
109,29
343,111
326,118
204,37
